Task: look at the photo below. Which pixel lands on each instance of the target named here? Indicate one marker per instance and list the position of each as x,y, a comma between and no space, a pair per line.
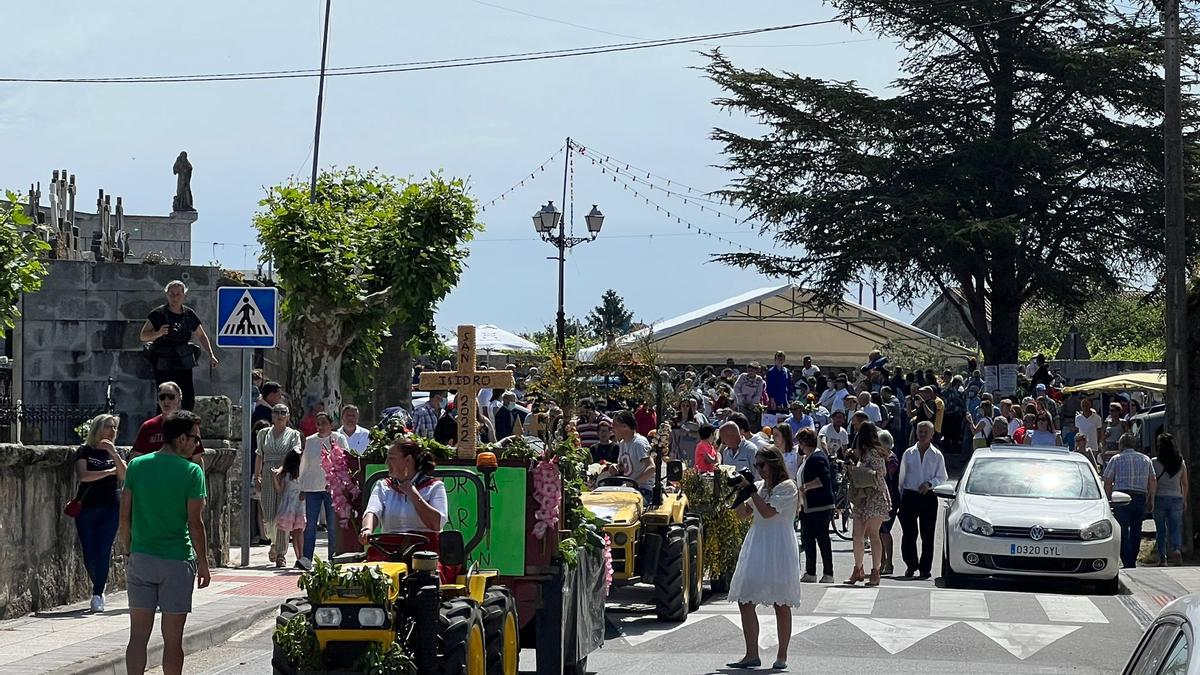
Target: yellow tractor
655,541
469,627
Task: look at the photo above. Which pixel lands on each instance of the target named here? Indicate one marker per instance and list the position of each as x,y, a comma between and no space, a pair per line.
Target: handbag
862,478
74,507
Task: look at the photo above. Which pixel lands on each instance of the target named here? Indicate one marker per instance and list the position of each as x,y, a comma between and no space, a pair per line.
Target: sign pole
248,468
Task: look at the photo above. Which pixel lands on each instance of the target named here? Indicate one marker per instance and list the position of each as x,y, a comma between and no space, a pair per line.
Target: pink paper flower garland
547,490
608,570
342,486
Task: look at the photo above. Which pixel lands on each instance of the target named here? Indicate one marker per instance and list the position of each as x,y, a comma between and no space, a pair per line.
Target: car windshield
1030,477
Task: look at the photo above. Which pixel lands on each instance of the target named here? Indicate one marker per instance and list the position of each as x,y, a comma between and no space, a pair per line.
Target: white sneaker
97,603
808,579
827,579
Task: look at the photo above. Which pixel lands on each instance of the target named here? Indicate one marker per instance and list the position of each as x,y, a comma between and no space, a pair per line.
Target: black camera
744,491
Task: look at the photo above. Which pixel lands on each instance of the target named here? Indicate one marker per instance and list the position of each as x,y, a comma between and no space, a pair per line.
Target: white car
1166,646
1026,511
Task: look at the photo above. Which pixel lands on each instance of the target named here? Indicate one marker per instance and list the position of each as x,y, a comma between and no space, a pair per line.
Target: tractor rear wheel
671,580
695,544
501,631
460,638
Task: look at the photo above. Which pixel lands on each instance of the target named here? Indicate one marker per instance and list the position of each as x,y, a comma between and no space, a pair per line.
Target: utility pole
312,189
1176,245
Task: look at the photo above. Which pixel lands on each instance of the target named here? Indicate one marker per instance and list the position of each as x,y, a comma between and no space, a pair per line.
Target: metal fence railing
45,423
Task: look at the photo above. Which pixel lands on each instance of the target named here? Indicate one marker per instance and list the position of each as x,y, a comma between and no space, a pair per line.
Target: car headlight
371,617
1098,530
973,525
328,616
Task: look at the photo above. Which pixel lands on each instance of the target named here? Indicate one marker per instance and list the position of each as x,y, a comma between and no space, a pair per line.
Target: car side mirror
1119,498
946,490
451,550
675,471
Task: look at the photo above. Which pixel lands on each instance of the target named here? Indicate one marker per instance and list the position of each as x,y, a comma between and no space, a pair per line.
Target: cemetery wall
82,328
40,561
169,235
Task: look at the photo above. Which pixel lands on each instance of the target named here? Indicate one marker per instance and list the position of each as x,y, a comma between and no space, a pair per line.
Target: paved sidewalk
73,639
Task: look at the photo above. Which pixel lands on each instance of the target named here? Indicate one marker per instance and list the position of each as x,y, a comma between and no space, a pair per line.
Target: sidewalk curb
1138,600
205,637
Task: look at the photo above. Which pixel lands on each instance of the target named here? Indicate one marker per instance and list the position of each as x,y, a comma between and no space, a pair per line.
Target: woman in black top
170,328
100,469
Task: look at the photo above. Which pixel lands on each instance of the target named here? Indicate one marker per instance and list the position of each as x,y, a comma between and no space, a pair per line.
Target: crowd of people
814,442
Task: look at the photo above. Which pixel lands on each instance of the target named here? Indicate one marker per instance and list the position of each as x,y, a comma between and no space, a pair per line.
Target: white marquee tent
753,325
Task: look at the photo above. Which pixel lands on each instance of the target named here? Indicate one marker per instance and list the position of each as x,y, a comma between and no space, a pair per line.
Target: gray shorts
158,583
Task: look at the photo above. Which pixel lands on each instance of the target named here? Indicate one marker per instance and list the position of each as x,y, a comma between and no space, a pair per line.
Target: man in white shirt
921,469
808,369
833,399
1088,422
356,437
834,437
633,459
874,414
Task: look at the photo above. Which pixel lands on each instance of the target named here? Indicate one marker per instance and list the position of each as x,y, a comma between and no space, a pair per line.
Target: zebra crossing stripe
958,605
847,601
1071,609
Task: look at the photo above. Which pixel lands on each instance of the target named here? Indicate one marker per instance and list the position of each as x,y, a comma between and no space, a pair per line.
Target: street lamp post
545,221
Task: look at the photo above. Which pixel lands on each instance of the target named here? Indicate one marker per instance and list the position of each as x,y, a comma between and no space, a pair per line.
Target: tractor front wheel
288,609
501,630
461,638
672,579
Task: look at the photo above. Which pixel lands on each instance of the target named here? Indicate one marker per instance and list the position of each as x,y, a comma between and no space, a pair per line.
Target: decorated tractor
656,541
535,570
395,614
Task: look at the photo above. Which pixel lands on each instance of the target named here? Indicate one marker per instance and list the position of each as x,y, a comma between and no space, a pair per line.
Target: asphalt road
903,626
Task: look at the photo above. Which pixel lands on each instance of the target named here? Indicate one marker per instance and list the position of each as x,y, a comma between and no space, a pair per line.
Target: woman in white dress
768,567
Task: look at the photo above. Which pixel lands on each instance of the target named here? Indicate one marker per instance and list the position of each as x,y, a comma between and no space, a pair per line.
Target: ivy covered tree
1019,158
371,252
21,265
609,319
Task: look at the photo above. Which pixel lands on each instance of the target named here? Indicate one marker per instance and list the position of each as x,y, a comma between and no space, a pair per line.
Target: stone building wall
82,328
40,561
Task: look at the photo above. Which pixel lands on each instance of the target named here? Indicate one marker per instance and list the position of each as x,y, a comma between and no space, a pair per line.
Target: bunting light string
680,220
694,195
634,171
541,168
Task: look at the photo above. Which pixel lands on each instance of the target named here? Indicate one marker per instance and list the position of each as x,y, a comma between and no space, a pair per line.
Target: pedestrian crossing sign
247,317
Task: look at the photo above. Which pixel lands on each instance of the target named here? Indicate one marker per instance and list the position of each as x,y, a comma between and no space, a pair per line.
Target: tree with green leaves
609,319
1019,158
1117,327
21,264
371,252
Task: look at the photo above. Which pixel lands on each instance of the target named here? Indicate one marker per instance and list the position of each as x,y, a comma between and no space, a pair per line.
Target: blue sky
493,124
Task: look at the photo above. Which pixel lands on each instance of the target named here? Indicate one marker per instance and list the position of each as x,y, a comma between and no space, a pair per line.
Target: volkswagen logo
1037,532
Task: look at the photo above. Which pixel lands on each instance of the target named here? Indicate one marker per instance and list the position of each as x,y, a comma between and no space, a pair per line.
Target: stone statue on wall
183,184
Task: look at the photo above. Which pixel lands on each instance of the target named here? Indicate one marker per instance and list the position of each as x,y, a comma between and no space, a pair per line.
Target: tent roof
1149,380
753,325
492,338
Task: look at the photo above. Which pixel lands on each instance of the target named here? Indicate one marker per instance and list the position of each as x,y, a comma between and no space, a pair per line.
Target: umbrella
1150,380
489,338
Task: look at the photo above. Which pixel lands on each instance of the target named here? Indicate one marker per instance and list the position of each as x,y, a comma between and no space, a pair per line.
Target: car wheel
950,578
1110,586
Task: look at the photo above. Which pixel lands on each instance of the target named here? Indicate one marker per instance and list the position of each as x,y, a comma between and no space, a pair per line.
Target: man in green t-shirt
162,528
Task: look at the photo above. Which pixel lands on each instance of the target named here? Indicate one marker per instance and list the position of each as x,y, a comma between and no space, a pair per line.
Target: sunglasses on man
166,397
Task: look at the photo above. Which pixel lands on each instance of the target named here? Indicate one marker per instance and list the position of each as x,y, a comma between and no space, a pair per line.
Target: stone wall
40,561
82,328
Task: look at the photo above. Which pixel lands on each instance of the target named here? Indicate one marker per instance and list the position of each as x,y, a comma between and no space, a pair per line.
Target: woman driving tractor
409,506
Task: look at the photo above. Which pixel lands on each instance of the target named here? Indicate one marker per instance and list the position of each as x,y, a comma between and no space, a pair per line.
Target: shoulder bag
75,506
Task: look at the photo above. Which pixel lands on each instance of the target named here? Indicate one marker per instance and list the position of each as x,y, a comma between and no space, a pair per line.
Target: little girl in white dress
768,567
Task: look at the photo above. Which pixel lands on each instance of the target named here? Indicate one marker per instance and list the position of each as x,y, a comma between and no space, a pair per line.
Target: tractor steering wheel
398,551
617,480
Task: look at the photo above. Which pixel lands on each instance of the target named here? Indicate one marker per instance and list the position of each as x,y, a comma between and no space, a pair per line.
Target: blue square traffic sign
247,317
